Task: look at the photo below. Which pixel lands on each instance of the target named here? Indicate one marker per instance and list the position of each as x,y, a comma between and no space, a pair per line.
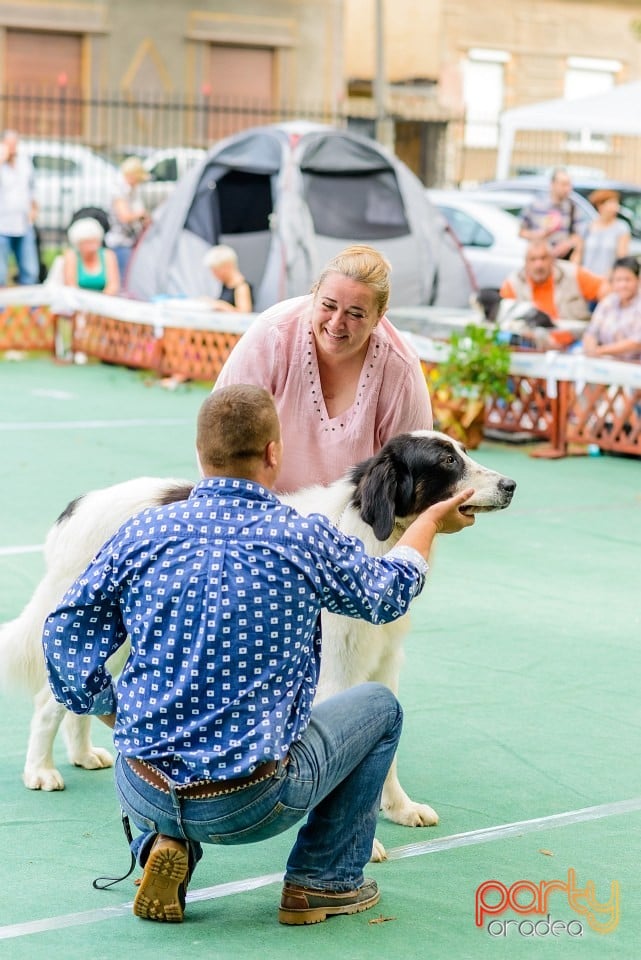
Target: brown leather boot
161,894
304,905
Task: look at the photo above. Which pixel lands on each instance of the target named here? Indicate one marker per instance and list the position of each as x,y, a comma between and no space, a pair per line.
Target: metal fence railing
76,142
117,123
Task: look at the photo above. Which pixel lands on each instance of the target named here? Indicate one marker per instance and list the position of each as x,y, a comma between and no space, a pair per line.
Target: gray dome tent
287,198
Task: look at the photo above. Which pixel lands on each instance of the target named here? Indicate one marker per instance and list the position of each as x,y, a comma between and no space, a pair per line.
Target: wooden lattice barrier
555,397
117,341
531,410
195,354
26,327
608,416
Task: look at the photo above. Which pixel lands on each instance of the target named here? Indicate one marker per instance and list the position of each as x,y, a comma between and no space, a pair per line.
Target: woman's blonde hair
366,265
219,255
133,166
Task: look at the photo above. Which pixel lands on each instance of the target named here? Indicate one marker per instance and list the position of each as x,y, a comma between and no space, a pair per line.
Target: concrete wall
156,46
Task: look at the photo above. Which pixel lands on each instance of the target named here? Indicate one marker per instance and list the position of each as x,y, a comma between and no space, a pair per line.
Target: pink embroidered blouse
278,353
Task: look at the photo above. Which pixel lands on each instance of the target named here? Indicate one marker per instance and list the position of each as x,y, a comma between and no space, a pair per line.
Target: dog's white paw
94,759
412,814
42,778
379,853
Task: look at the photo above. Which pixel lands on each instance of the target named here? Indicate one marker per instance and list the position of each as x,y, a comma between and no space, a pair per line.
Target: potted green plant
475,370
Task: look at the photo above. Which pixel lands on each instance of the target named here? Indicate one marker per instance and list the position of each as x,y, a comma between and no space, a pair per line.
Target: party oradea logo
537,904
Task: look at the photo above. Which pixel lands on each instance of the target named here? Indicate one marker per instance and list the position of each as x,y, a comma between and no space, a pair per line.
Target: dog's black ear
489,299
537,318
385,490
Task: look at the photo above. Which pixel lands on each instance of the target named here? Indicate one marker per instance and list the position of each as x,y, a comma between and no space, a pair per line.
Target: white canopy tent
616,112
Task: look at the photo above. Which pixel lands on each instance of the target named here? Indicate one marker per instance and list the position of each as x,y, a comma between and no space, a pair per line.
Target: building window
241,82
588,77
42,83
483,84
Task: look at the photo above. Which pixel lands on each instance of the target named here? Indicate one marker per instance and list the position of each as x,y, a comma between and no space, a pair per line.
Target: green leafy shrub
478,366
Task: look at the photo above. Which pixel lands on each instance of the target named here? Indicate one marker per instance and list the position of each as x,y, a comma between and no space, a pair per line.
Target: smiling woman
343,379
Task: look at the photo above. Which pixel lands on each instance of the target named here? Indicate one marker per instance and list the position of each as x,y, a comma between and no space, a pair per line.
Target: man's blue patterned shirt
221,597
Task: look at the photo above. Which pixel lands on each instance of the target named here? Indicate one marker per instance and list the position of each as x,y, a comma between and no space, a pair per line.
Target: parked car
117,154
489,236
630,194
165,168
514,198
68,176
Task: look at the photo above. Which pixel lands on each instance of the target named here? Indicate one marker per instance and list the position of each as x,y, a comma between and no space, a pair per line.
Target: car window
46,163
165,170
631,211
469,232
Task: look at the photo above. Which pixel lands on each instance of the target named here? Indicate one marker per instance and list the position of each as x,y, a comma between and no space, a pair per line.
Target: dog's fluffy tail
22,664
72,541
21,660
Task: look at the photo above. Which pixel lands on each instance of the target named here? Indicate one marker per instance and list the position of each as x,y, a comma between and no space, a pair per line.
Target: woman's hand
590,345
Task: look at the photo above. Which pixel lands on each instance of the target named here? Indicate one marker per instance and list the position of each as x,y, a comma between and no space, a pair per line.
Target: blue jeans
334,774
26,254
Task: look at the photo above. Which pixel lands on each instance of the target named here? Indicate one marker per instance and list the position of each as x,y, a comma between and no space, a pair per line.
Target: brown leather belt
201,789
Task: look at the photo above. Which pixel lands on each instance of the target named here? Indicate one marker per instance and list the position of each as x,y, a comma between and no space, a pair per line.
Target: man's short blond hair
235,424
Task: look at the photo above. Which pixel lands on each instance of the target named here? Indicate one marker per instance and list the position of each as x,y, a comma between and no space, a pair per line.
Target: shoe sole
318,914
157,897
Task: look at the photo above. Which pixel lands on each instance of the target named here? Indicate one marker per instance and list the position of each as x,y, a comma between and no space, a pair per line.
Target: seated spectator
236,293
605,239
86,263
554,217
560,289
615,328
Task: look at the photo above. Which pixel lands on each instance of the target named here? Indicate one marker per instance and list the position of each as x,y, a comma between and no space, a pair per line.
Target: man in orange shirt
559,288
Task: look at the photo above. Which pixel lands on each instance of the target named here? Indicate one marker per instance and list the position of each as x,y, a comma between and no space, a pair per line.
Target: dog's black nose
507,485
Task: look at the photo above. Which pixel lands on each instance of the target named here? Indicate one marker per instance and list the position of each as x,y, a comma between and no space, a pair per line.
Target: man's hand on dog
443,517
447,515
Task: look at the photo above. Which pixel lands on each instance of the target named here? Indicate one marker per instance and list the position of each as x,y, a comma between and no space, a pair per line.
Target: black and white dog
375,502
516,317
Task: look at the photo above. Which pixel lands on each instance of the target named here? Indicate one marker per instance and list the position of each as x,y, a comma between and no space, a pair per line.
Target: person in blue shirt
212,715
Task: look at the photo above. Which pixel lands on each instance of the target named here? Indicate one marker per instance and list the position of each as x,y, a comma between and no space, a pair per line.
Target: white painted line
53,394
94,424
14,551
124,909
485,835
489,834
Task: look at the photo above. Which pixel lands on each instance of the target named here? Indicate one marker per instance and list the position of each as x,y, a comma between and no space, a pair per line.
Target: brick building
452,66
244,59
119,73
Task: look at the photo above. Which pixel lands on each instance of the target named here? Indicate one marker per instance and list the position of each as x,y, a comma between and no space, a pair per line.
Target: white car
489,235
68,176
165,168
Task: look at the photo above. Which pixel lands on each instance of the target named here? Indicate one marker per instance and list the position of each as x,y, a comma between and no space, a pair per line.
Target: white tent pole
504,153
